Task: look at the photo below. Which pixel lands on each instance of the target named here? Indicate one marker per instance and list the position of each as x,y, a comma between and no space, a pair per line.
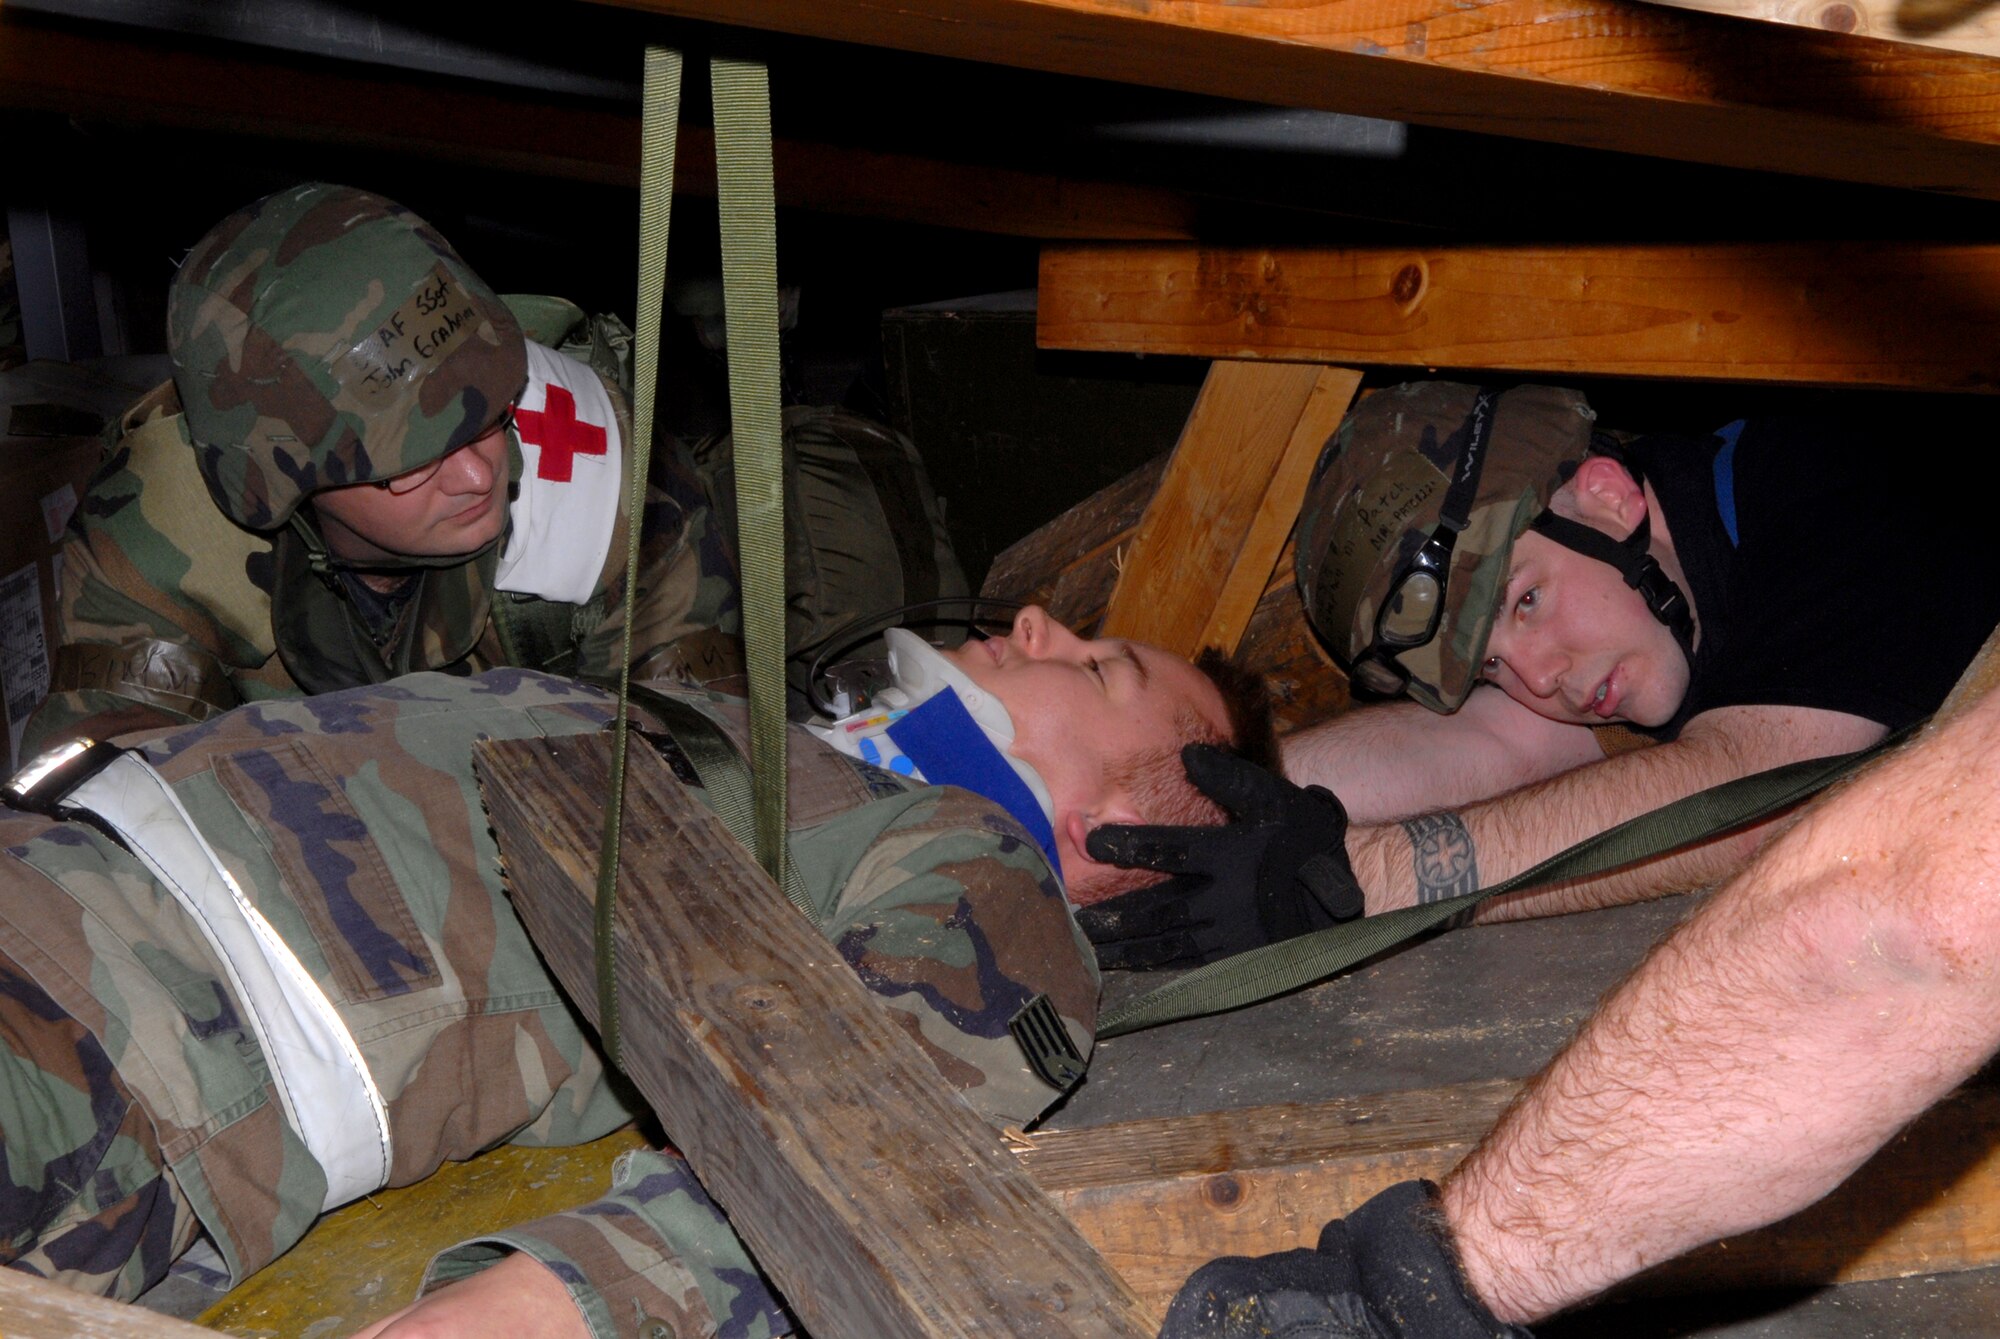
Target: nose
470,469
1539,668
1040,636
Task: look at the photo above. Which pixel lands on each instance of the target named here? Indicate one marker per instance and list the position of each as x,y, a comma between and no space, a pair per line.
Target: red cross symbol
560,433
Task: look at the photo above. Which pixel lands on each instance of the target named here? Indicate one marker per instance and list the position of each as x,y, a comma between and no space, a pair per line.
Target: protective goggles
1409,616
1413,607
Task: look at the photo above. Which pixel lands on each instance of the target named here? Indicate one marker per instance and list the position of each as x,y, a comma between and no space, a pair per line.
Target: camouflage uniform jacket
169,611
138,1108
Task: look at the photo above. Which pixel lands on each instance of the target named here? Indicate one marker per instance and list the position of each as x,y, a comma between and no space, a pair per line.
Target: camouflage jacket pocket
337,876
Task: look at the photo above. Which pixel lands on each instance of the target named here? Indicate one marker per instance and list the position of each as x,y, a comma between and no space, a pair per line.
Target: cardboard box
41,481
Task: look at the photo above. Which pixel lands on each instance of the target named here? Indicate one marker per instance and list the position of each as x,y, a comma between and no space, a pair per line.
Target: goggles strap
1456,513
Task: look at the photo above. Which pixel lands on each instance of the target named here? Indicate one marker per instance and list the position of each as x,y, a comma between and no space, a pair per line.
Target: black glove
1278,871
1386,1271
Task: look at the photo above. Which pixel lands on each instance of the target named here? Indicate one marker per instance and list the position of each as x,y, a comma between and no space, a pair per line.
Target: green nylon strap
723,773
659,124
1260,973
750,308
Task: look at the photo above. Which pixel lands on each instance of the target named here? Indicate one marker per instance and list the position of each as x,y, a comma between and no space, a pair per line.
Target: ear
1078,825
1607,496
1086,880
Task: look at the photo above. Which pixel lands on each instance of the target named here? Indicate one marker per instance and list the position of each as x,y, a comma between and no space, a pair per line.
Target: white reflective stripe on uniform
323,1082
565,506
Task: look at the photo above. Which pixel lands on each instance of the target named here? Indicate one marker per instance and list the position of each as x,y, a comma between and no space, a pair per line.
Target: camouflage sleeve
654,1251
953,918
84,1200
161,619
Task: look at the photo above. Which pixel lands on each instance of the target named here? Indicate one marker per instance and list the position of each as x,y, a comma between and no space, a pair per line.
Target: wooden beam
873,1196
1203,554
1608,74
180,86
1277,513
1162,1197
1071,565
1904,316
32,1308
1953,25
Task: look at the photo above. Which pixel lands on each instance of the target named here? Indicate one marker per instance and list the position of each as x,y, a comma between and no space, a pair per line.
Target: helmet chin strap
323,561
1641,571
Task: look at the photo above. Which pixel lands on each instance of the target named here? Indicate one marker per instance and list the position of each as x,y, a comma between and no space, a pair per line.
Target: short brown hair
1158,783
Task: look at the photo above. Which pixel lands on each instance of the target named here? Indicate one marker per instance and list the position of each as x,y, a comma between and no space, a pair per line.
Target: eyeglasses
1414,606
409,481
1409,616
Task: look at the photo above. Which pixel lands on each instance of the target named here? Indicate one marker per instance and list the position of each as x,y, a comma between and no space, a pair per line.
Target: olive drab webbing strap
724,775
1260,973
750,297
660,123
742,92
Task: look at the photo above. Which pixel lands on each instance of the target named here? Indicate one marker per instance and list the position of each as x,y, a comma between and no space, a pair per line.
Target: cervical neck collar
935,724
1640,569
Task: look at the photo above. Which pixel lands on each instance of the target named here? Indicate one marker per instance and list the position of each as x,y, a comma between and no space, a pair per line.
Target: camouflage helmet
1381,493
324,336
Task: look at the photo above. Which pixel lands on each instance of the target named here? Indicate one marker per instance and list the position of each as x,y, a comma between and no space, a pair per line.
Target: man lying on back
156,1052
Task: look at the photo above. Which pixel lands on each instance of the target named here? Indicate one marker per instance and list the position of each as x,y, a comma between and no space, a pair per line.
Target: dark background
928,327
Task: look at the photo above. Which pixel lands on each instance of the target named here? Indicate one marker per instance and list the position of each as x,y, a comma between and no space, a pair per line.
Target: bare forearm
1395,760
1844,982
1478,845
1436,856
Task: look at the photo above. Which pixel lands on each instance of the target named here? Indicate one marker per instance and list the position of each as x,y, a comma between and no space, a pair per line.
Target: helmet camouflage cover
324,336
1378,492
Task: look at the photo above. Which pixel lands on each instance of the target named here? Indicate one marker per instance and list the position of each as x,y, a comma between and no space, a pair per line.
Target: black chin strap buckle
1666,599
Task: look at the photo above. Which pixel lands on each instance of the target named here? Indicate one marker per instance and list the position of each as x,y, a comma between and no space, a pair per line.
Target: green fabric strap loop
660,123
750,300
1261,973
744,189
724,775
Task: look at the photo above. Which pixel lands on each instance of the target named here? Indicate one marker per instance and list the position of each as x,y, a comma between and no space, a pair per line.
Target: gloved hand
1278,871
1386,1271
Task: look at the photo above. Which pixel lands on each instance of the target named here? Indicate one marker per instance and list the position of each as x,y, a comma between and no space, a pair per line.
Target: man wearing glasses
363,468
1780,590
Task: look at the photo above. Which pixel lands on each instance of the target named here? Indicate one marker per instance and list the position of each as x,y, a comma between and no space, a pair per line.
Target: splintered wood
875,1198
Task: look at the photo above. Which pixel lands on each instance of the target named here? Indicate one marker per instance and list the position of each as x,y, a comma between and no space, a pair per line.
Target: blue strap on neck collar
950,749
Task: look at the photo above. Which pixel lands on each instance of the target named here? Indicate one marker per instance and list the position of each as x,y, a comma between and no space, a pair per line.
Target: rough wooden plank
1954,25
367,1259
1271,526
1904,316
32,1308
1608,74
1071,564
878,1202
1306,686
1161,1197
1185,547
